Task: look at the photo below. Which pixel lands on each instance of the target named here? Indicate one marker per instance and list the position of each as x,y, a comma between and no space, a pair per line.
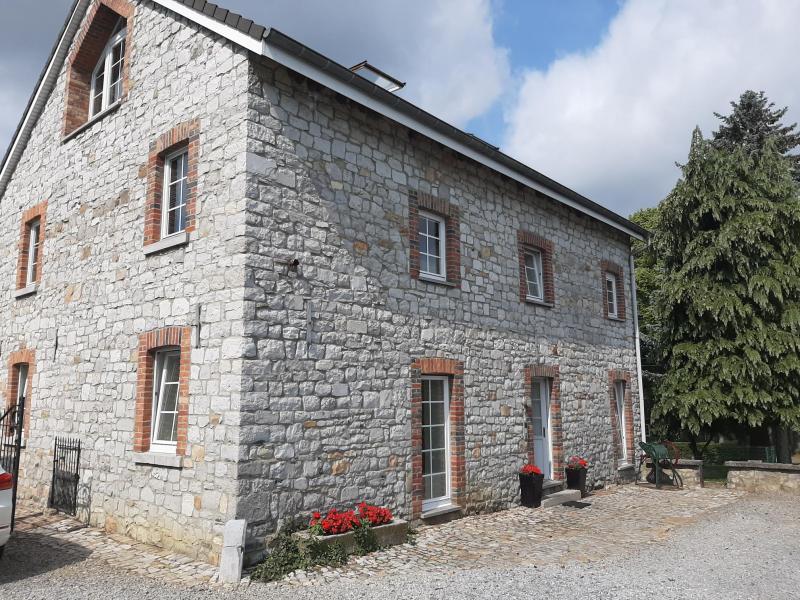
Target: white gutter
263,48
291,61
41,95
635,309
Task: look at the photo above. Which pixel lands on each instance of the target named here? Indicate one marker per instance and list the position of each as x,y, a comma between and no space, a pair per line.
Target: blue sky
537,33
601,95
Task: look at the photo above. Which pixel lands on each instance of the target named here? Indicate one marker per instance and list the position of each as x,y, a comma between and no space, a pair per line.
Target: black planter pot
576,480
530,487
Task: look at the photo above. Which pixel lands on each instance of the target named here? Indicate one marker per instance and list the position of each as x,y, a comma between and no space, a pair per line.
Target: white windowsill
614,318
94,119
439,510
172,241
158,459
26,291
626,467
435,279
538,302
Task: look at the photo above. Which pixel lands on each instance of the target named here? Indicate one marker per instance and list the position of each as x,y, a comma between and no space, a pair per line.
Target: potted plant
576,474
530,486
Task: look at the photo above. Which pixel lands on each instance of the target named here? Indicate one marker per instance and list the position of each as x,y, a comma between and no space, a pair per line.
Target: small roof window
378,77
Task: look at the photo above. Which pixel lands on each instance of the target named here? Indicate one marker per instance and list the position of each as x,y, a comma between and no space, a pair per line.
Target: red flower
576,462
530,470
375,515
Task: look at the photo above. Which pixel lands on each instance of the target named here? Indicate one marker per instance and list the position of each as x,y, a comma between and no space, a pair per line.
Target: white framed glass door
435,442
619,397
540,424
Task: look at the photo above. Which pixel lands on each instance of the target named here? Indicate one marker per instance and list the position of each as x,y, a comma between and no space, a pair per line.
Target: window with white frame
611,295
432,242
166,386
435,442
175,192
619,403
533,274
107,75
34,238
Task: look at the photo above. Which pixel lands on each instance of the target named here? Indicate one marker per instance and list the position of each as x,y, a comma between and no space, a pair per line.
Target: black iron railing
11,431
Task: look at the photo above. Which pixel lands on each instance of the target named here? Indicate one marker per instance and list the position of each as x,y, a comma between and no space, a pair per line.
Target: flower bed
342,527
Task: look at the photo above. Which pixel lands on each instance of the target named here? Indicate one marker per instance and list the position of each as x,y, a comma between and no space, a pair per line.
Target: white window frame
442,246
34,234
538,263
165,192
611,295
447,499
159,373
105,64
619,401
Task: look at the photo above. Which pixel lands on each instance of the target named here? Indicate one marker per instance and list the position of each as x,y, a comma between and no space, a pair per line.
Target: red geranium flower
530,470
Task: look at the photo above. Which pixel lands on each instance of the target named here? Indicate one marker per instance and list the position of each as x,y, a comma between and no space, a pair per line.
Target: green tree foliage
728,239
753,120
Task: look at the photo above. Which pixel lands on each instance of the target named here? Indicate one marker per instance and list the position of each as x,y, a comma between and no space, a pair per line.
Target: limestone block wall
326,393
763,477
99,291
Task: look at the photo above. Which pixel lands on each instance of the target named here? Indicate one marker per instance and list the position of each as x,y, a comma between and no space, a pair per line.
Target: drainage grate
575,504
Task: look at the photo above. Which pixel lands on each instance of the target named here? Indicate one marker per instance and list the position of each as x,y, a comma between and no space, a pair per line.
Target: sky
601,95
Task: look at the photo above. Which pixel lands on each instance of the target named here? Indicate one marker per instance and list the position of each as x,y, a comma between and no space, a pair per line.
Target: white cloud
443,49
612,122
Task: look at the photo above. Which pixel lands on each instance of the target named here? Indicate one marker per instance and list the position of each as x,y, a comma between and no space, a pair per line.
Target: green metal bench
664,457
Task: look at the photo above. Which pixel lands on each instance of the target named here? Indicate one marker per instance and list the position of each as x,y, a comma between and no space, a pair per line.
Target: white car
6,482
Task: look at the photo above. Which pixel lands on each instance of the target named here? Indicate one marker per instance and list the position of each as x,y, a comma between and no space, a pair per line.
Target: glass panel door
435,442
619,393
540,423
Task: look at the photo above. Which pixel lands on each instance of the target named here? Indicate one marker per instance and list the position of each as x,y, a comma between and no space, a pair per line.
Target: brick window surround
458,478
35,212
183,135
531,241
15,359
89,45
420,201
615,375
550,372
149,344
610,268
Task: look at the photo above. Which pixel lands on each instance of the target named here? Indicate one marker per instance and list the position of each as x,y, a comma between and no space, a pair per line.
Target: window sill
626,467
436,280
26,291
158,459
536,302
98,117
440,510
617,319
167,243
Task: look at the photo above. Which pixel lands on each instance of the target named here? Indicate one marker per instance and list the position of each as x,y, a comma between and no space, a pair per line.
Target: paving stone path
72,542
619,520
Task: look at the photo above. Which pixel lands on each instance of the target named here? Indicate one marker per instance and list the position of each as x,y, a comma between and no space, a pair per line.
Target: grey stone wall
99,291
326,396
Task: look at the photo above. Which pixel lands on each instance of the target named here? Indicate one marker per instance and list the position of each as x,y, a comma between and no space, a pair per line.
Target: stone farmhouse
255,283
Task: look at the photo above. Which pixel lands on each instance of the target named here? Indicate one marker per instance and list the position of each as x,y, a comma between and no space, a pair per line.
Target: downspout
635,308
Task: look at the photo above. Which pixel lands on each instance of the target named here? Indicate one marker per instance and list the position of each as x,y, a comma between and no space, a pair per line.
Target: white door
540,416
435,442
619,396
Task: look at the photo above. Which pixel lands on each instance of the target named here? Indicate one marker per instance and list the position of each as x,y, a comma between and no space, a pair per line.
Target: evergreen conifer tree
729,246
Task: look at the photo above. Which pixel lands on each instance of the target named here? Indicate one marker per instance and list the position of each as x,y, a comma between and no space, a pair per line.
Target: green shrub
365,539
286,556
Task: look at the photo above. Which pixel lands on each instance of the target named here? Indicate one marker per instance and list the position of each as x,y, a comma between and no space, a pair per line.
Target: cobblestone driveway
618,521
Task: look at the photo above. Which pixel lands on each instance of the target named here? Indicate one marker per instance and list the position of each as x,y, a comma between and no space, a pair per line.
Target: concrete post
230,564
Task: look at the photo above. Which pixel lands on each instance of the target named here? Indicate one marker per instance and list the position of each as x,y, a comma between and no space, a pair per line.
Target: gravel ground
750,550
